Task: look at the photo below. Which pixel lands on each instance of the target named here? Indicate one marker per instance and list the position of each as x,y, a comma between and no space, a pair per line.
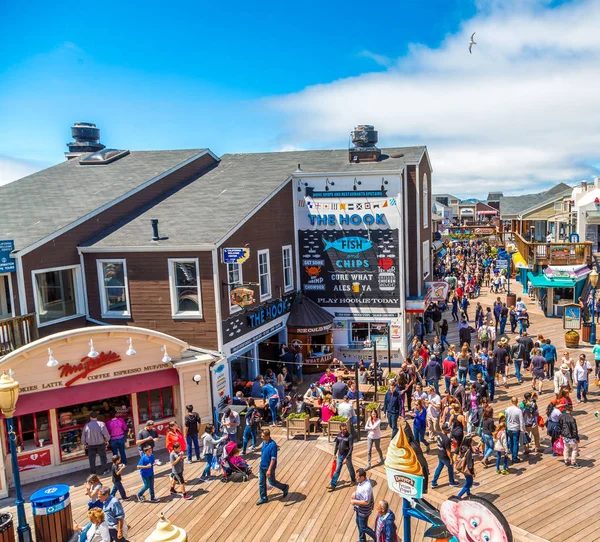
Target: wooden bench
313,423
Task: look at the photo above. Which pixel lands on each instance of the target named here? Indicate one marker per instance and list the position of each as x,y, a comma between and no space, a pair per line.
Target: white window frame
268,295
102,290
287,287
173,289
425,195
79,299
426,259
234,308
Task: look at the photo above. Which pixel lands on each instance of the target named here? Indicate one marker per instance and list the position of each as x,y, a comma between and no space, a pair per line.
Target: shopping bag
559,446
215,465
333,467
597,381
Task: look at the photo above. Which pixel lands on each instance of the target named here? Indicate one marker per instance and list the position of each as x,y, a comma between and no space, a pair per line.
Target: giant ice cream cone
402,467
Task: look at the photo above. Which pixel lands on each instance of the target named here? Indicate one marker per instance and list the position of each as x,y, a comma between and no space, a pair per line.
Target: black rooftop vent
364,138
86,138
105,156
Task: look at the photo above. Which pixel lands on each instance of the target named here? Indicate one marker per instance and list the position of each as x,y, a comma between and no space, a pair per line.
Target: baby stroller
231,467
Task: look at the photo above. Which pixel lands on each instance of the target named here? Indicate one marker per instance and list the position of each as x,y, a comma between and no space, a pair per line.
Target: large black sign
350,268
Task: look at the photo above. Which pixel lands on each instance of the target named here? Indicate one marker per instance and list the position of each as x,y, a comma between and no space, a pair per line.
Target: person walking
515,424
501,448
209,443
487,433
567,429
434,411
450,370
192,422
267,468
117,429
531,413
114,515
94,436
466,466
562,378
596,354
373,436
176,458
392,405
146,468
231,421
433,373
550,355
117,473
463,360
385,523
580,375
362,501
299,361
174,435
503,318
146,437
420,423
444,333
344,445
445,458
517,353
252,425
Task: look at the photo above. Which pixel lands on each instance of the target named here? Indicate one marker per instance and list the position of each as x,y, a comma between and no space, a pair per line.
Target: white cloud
523,109
12,169
382,60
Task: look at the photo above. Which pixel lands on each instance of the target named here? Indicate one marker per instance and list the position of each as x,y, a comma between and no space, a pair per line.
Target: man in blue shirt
266,469
270,394
392,406
549,353
114,514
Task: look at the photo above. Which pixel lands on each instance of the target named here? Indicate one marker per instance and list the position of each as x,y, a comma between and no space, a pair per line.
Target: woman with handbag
465,465
501,448
553,417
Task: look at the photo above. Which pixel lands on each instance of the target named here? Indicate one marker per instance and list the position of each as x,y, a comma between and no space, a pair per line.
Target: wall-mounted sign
437,291
572,316
7,264
501,264
241,296
559,252
34,460
235,255
396,332
314,330
220,381
241,323
86,366
370,315
310,191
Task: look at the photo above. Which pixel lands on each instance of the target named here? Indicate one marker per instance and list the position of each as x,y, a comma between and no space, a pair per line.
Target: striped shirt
364,492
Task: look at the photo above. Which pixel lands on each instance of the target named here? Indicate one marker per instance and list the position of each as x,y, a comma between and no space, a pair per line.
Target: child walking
117,469
146,468
176,458
501,448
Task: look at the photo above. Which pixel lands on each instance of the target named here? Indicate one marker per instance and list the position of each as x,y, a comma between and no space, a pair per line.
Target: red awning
487,212
95,391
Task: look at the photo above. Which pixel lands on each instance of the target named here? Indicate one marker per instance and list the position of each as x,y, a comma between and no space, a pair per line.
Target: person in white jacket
373,436
562,377
97,529
515,424
580,376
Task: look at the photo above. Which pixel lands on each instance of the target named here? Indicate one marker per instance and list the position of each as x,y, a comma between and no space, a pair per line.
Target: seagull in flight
471,43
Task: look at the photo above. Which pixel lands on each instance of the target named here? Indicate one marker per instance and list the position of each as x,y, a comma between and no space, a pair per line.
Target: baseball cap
312,386
150,422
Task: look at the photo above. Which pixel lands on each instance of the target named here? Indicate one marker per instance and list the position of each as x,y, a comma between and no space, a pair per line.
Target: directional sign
7,264
501,264
235,255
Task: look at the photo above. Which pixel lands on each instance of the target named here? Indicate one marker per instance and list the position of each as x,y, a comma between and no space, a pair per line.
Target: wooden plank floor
542,499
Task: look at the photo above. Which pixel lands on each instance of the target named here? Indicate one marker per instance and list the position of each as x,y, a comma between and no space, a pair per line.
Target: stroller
225,453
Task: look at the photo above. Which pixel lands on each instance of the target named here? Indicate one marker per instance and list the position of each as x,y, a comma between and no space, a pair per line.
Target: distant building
493,199
449,201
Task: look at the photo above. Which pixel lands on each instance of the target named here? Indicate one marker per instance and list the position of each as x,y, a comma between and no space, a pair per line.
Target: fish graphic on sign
348,244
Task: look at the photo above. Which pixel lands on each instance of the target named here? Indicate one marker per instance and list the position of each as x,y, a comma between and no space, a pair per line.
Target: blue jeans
488,440
462,375
206,471
499,457
262,483
491,382
444,340
447,382
273,406
393,422
435,383
193,440
521,327
502,325
299,371
117,446
148,482
118,487
441,464
582,389
362,522
467,487
338,469
518,363
513,443
249,432
419,433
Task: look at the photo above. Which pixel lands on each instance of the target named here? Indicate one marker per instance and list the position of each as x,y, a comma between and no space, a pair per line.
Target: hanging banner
235,255
7,264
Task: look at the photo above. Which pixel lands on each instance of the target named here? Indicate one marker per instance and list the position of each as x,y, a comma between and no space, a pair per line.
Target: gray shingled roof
517,205
204,211
40,204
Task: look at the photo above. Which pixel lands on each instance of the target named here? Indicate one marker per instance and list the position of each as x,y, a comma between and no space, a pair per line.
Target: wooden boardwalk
542,499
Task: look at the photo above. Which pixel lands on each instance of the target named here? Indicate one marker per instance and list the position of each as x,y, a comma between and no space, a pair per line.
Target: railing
16,332
551,253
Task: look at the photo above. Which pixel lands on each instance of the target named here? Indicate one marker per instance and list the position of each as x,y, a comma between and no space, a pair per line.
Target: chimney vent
154,222
364,138
86,138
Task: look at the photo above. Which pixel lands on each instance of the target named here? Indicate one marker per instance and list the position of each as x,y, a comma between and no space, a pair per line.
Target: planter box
334,429
297,426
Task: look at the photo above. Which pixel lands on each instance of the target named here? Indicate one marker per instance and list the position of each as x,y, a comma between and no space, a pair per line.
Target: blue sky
242,77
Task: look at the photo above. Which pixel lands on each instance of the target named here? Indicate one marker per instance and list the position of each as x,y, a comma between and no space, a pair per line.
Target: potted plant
572,339
298,424
373,406
334,425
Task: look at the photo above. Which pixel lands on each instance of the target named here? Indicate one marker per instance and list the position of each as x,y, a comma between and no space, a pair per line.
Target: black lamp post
9,393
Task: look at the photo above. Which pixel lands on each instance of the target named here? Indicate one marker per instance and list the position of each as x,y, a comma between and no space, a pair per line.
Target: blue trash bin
53,519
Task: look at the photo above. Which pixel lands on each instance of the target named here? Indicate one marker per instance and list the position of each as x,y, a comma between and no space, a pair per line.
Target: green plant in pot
301,416
338,419
372,406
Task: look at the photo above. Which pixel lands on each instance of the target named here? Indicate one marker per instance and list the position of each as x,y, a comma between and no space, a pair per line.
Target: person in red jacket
174,434
449,368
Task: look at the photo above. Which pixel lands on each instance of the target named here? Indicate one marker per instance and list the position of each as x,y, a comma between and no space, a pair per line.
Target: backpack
254,420
484,335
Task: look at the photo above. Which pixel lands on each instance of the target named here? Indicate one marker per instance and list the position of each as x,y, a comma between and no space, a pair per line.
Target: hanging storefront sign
395,332
438,291
241,296
572,316
220,381
7,264
235,255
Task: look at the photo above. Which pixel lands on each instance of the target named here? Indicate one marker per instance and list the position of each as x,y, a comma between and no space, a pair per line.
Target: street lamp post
9,393
368,343
593,281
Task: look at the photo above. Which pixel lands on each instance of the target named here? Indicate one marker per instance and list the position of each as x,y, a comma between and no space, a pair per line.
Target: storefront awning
95,391
518,261
487,212
542,281
307,317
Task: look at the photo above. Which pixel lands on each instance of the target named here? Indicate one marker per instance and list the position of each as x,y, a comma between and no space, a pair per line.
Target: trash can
586,331
511,300
52,516
7,531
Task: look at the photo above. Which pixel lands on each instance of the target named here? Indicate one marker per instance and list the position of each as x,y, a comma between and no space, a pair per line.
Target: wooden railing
551,253
16,332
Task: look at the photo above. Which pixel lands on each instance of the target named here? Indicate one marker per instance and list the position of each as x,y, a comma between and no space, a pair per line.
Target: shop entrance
269,352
